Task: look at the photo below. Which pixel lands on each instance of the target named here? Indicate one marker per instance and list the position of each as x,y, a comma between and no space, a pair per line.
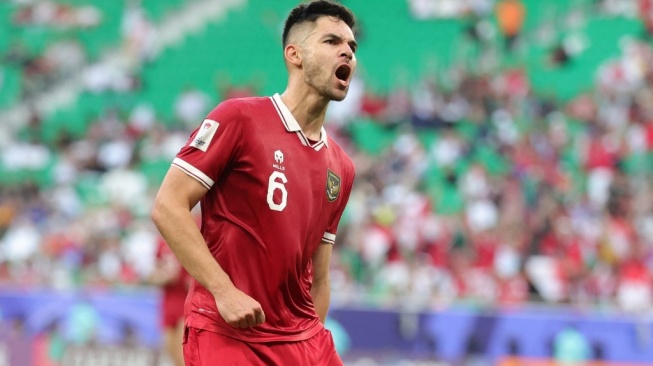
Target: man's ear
292,54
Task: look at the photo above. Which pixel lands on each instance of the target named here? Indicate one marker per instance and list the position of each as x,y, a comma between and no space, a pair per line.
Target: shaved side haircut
311,11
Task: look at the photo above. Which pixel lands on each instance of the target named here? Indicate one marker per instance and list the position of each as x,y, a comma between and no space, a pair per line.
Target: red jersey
273,197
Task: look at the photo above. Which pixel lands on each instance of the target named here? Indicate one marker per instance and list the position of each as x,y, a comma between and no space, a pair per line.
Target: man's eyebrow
333,35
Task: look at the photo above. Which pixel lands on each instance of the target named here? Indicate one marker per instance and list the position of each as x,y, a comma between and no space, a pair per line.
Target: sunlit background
502,212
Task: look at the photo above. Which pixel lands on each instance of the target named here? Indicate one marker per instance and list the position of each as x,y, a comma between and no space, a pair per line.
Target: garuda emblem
332,186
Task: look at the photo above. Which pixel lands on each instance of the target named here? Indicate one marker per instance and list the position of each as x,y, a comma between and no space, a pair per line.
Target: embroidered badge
332,186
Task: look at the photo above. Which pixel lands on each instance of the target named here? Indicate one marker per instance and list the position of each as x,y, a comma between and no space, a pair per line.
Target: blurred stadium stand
500,184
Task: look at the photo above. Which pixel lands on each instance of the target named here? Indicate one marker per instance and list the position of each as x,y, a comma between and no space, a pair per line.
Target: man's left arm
321,288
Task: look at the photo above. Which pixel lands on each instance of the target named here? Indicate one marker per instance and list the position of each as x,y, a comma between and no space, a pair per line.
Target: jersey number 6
273,185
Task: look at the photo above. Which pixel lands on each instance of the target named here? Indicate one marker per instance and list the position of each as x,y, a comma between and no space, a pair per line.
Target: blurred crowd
48,43
517,198
487,194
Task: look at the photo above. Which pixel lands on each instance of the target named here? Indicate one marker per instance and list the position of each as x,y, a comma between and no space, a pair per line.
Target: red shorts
171,317
203,348
172,312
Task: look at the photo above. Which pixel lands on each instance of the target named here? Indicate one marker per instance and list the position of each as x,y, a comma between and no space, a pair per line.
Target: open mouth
343,72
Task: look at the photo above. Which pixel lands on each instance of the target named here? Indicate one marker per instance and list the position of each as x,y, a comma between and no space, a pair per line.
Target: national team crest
332,186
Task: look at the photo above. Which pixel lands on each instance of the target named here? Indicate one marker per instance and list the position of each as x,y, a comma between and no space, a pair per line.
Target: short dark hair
311,11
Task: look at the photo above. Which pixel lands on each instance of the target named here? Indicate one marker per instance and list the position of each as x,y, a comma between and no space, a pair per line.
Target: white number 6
273,185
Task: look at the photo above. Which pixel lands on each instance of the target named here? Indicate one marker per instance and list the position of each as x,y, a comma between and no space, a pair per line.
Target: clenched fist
238,309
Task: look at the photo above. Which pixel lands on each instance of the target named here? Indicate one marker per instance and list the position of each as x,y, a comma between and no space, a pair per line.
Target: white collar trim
291,124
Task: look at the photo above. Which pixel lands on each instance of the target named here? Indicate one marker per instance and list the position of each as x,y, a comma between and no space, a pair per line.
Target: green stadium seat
371,137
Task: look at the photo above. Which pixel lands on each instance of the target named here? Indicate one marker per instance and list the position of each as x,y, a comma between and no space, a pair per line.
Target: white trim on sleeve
193,172
329,238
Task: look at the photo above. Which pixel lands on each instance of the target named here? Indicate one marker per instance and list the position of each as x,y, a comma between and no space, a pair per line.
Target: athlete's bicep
321,259
179,189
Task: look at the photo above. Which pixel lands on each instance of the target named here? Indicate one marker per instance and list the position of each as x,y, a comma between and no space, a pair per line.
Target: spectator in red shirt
174,282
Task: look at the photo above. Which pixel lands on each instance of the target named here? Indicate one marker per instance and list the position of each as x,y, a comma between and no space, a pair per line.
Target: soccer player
272,187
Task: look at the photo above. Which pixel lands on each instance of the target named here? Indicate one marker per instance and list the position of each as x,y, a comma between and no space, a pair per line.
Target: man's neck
309,110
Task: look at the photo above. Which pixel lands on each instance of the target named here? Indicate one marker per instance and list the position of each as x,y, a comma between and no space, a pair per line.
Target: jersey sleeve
330,233
213,146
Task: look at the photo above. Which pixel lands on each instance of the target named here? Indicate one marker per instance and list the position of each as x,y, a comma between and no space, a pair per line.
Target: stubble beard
312,77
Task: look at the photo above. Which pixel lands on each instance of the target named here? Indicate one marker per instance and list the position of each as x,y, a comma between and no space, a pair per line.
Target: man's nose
347,52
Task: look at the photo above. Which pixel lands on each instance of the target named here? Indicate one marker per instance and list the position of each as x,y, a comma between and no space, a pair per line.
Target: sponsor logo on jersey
278,157
332,186
205,135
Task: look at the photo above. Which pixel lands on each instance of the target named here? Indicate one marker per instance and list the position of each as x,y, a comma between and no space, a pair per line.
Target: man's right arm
171,214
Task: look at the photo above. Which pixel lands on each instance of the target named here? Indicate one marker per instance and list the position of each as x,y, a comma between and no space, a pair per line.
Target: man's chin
338,96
